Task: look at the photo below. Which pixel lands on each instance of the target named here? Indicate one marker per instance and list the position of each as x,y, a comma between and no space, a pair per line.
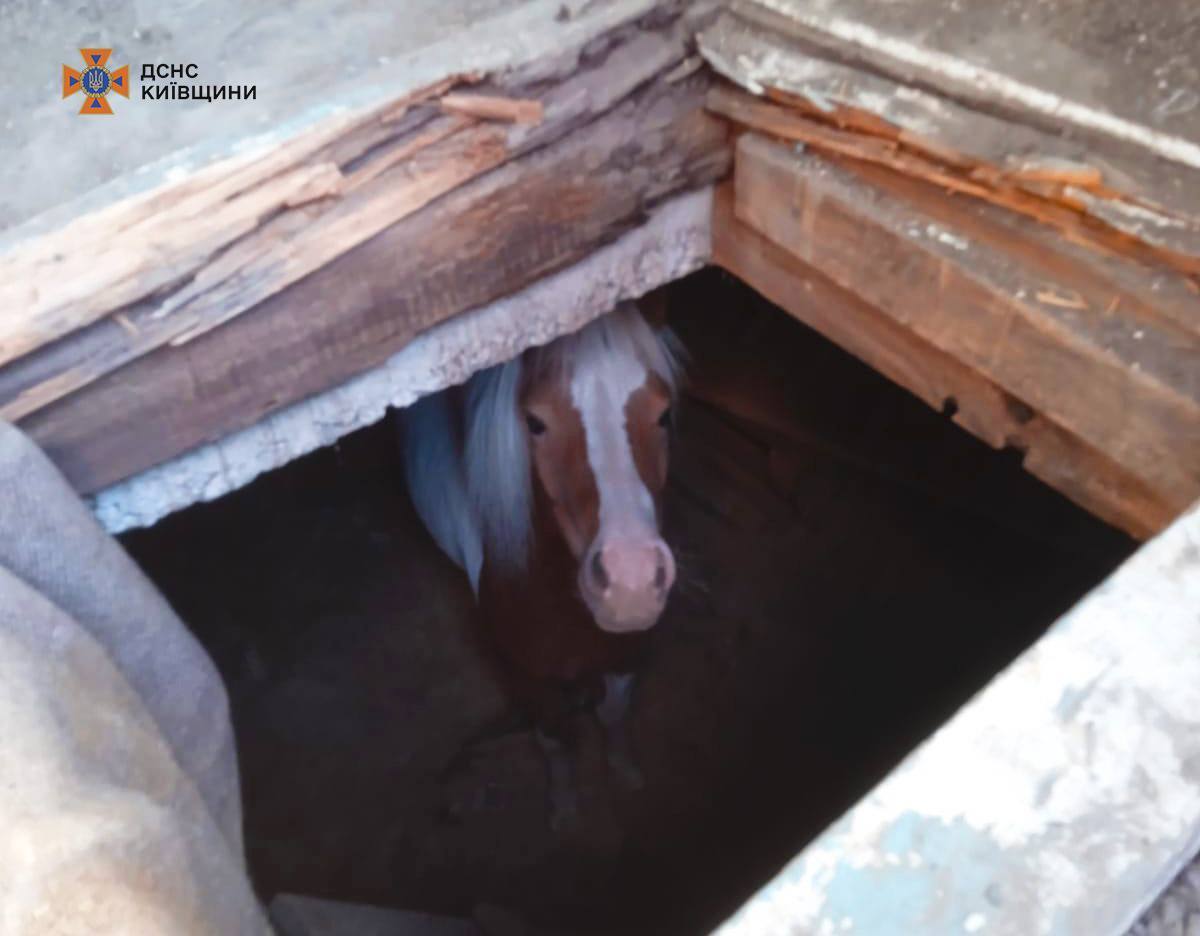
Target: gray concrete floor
1137,61
296,53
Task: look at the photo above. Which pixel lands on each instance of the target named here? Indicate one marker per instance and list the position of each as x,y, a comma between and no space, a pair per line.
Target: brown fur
538,626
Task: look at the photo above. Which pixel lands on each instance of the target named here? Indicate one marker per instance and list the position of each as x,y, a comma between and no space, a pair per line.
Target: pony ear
654,307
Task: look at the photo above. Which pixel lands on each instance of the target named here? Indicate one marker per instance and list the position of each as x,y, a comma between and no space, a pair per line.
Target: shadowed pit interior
851,567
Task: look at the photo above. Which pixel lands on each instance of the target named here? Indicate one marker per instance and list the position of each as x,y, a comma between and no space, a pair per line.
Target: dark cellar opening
853,566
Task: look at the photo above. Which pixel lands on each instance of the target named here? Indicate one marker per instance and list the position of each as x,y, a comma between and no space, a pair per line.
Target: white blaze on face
600,389
627,570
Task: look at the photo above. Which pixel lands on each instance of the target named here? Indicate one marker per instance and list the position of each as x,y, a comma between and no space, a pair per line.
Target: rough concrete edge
529,33
1177,909
754,56
674,242
1062,799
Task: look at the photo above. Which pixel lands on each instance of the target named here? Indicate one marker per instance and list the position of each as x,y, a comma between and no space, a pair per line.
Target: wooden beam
265,238
145,243
1045,195
674,241
1131,391
200,252
1082,473
483,240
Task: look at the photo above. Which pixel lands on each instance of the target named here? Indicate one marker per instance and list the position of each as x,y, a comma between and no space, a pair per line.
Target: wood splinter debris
491,107
1059,173
1051,298
129,328
685,69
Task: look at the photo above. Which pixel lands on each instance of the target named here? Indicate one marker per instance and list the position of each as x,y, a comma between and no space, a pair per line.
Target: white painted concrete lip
1061,800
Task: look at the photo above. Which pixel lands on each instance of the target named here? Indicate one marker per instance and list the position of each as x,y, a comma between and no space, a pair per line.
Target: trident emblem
95,81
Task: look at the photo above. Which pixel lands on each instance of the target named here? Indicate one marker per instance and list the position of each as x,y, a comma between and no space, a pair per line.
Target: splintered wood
986,233
187,258
1088,362
491,107
979,405
1041,192
201,306
250,234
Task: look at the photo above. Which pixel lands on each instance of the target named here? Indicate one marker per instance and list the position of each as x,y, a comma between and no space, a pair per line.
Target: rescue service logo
95,81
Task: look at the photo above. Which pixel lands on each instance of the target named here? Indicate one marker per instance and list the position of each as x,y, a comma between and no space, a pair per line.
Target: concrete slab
297,54
1130,72
1017,84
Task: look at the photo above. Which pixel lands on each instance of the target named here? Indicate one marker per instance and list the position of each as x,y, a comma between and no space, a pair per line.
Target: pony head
581,429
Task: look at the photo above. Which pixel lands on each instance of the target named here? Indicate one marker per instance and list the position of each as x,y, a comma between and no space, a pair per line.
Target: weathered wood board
1085,361
673,242
1014,192
266,278
985,409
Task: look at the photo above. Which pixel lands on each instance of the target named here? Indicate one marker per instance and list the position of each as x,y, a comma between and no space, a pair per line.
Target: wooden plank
1163,306
1082,473
481,241
954,174
145,243
674,241
187,259
1149,301
1133,396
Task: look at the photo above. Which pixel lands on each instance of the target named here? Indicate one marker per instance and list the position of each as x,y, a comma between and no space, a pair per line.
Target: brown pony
542,479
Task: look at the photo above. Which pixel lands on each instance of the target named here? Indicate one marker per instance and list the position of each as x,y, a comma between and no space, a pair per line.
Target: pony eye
665,419
536,426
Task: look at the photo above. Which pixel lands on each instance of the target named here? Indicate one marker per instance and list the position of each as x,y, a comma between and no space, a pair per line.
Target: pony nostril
599,573
660,576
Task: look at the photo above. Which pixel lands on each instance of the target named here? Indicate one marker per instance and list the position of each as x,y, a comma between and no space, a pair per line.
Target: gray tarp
119,802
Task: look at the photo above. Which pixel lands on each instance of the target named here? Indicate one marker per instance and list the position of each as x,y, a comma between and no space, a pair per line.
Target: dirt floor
853,567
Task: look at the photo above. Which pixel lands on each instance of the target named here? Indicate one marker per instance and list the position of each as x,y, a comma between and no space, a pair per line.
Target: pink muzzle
625,583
